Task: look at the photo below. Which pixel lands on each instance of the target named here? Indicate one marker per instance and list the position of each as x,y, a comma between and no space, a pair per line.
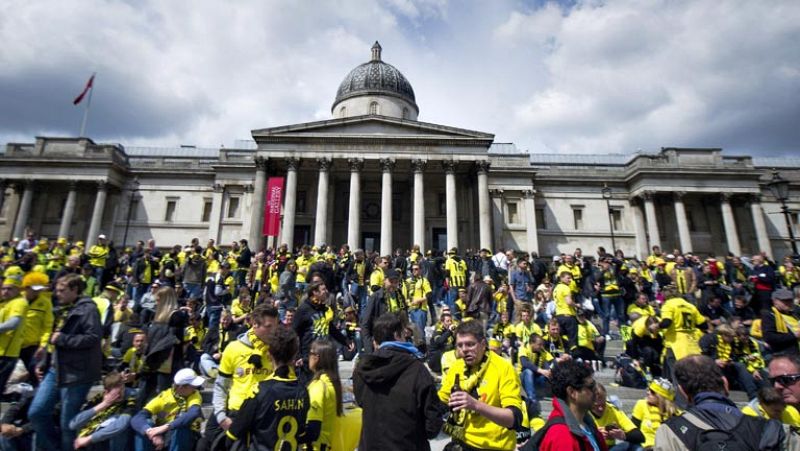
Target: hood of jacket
560,409
385,365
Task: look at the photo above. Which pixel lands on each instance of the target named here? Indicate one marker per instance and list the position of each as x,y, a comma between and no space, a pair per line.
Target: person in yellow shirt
172,419
38,322
455,270
640,307
13,309
646,344
656,408
565,307
682,325
378,274
304,262
57,258
98,254
487,409
324,392
613,424
534,364
417,291
503,329
771,405
591,345
525,327
242,306
244,363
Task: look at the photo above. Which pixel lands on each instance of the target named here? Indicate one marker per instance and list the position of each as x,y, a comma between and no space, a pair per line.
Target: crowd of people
115,348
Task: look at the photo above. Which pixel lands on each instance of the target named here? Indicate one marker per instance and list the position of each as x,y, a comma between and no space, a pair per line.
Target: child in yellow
656,408
770,405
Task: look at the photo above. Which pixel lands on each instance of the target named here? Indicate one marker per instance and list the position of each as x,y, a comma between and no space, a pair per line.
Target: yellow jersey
682,335
11,340
322,396
560,294
789,416
165,407
524,331
38,321
235,363
457,270
650,419
612,415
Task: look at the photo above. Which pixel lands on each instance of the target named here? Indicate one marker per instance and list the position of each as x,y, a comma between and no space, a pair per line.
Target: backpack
536,441
745,436
627,374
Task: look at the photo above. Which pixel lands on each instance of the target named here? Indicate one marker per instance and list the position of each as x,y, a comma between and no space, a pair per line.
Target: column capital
755,198
678,195
483,166
528,193
725,197
324,163
449,166
102,185
418,165
261,163
218,187
356,164
249,188
648,195
387,164
496,192
292,163
19,185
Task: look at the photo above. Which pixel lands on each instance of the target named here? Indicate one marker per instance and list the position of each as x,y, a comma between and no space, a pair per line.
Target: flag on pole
85,90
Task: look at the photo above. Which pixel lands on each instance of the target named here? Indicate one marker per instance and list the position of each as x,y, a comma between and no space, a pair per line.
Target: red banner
272,207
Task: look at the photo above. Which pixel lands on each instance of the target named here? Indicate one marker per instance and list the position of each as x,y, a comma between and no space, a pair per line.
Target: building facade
376,177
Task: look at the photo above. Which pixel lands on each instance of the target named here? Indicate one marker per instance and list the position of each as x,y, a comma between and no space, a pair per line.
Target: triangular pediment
366,127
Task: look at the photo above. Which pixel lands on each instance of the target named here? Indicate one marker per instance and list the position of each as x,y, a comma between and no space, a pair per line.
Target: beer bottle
456,385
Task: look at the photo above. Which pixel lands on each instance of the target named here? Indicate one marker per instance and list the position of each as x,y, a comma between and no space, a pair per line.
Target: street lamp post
134,189
779,187
607,196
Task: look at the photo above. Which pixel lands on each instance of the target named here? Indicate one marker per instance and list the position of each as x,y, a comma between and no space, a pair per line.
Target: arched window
373,108
405,113
342,111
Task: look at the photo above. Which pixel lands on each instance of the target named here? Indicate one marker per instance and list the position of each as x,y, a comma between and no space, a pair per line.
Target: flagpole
88,105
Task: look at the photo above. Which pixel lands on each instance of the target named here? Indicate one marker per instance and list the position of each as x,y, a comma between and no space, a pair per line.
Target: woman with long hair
324,390
163,356
655,409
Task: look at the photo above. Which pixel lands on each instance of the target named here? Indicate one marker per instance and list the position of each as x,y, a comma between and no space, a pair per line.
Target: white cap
38,287
101,237
670,256
187,376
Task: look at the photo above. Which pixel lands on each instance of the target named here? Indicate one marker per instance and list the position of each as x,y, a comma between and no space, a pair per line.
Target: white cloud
594,77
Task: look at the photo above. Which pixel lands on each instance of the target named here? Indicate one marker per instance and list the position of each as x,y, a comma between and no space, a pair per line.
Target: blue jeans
619,308
181,439
193,290
43,405
21,443
420,318
214,313
138,292
359,296
529,383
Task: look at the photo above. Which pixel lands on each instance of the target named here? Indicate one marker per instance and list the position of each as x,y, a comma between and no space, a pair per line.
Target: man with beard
314,320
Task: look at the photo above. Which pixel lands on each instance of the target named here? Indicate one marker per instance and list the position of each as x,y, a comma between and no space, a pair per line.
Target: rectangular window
300,207
442,201
513,213
616,218
134,210
169,215
541,222
233,208
577,218
206,210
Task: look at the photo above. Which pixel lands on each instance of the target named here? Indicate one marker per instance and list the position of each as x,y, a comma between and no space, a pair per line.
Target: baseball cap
392,274
101,237
35,281
187,376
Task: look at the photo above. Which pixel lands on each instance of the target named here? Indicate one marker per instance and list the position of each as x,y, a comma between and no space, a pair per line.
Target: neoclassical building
376,177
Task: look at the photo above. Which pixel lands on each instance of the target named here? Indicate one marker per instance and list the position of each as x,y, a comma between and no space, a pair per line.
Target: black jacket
398,395
78,357
779,342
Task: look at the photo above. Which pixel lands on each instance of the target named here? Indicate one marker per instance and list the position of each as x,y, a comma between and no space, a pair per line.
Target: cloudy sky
570,76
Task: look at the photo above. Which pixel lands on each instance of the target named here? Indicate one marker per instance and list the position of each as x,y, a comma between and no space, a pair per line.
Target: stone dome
375,78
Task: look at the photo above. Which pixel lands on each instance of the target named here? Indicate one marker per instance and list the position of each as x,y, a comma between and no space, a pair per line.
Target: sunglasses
591,386
785,380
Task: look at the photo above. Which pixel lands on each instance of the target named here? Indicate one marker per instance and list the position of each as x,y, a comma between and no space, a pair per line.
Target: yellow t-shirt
682,335
414,290
98,255
586,334
237,309
303,264
457,271
650,418
11,340
524,332
560,293
195,335
647,310
168,405
789,416
612,415
376,279
499,387
639,328
501,331
540,359
501,302
134,361
322,396
235,364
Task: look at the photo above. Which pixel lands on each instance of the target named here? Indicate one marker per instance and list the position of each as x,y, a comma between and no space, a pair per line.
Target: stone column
452,202
97,213
216,213
418,166
69,210
731,235
641,230
321,220
3,186
530,221
354,208
387,165
762,236
683,225
290,202
484,216
259,201
652,222
497,217
24,211
247,205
